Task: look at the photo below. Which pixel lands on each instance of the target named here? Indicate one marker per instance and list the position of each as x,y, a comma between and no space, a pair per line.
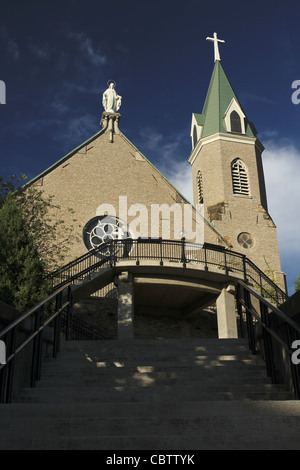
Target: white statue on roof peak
111,100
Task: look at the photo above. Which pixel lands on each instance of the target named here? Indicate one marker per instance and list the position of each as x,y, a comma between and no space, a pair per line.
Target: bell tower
228,177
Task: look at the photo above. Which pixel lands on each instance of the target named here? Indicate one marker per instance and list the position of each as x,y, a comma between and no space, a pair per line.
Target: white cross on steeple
215,40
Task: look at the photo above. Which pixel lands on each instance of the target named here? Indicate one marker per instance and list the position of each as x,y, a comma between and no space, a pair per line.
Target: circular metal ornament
102,230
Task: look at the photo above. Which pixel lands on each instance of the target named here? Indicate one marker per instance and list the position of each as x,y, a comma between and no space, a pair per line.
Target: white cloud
281,163
152,140
37,126
180,175
70,87
12,47
168,151
168,148
76,130
282,170
87,49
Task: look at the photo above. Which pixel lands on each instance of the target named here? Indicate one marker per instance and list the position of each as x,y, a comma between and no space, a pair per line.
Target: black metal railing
177,251
29,328
82,267
276,331
26,336
75,328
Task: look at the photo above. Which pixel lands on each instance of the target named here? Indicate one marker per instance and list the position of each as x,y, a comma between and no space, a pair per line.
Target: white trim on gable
198,127
234,106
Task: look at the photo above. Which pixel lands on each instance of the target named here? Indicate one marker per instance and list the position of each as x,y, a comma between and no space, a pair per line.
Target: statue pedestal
110,123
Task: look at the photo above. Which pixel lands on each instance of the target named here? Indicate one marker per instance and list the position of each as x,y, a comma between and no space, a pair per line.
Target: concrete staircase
189,394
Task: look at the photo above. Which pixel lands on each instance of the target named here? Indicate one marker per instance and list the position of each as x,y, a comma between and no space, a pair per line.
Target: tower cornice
229,137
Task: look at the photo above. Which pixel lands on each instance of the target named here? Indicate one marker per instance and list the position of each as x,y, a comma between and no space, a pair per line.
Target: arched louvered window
235,122
200,187
240,182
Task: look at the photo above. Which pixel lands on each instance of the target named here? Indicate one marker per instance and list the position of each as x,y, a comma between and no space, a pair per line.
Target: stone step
204,440
118,427
144,377
200,362
164,409
145,394
74,365
254,431
109,367
154,353
187,345
153,394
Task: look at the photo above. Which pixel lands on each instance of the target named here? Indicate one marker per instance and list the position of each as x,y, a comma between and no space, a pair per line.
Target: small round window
246,240
102,229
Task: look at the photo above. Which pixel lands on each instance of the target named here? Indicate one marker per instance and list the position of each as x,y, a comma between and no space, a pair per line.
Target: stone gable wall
100,173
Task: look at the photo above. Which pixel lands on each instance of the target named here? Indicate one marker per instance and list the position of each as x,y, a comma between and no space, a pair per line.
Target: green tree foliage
10,186
44,221
22,282
52,235
34,240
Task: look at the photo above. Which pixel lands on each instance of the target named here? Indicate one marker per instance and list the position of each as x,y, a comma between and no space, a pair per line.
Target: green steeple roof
219,96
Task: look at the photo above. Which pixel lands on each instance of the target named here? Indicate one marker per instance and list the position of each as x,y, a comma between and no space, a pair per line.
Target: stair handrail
38,317
268,331
109,253
76,269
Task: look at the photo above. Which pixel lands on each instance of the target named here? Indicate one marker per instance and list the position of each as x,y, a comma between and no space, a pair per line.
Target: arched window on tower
240,182
235,122
200,187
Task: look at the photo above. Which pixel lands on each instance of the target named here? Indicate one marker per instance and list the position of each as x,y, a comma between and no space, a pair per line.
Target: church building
116,192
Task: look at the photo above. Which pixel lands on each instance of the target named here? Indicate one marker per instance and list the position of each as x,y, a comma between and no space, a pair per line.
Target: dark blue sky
56,58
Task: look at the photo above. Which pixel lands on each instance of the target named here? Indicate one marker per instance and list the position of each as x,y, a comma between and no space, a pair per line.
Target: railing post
183,258
40,344
244,268
225,262
56,339
36,349
239,308
10,370
250,327
161,251
260,283
137,252
205,259
110,247
267,341
69,312
3,371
